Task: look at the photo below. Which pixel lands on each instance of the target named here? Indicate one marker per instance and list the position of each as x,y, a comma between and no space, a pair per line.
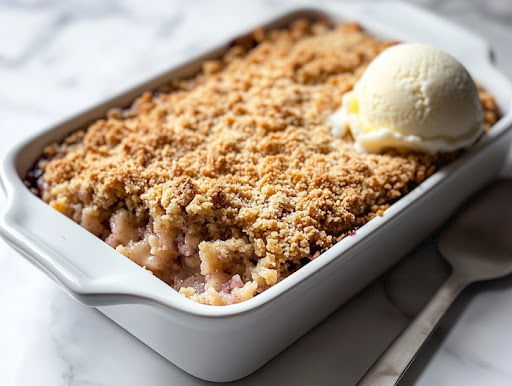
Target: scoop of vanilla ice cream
412,96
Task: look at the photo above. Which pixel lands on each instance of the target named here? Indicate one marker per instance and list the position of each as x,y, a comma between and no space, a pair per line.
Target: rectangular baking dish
229,342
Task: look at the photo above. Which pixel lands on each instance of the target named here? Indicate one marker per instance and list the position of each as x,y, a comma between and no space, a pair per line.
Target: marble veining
57,57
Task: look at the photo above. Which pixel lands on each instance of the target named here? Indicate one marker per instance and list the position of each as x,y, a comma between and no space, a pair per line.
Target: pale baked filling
224,184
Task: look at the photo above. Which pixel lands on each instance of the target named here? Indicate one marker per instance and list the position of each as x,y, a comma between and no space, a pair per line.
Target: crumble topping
224,184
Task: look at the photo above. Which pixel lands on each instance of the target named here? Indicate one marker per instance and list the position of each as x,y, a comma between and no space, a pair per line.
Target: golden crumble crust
226,183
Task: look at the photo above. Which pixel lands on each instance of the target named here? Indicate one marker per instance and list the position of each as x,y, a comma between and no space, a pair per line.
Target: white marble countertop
58,57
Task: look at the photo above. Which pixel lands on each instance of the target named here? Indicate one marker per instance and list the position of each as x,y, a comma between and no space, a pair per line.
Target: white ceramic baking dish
227,343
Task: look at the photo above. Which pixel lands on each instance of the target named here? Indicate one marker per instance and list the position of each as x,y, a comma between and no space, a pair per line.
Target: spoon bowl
478,246
478,243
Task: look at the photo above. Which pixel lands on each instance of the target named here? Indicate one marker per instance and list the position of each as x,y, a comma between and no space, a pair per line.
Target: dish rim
19,195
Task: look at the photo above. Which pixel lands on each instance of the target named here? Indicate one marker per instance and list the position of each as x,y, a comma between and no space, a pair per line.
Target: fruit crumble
224,184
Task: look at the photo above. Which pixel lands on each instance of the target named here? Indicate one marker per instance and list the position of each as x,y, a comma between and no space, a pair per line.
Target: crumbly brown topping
235,173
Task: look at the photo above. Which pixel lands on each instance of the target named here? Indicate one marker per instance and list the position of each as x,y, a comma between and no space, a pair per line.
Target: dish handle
89,270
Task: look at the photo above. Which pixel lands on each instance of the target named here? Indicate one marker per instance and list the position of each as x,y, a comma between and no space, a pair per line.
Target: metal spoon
478,246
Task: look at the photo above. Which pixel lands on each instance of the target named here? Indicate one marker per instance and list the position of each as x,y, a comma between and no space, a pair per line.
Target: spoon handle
393,363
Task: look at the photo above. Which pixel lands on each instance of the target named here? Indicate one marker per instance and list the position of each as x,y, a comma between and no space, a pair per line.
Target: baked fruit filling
226,183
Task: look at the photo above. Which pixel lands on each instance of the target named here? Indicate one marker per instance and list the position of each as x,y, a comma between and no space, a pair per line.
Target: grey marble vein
169,24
